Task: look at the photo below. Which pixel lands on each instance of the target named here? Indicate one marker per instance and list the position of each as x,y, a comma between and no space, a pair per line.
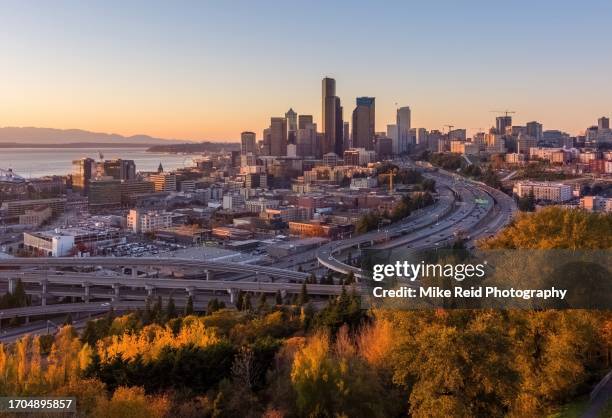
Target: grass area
571,410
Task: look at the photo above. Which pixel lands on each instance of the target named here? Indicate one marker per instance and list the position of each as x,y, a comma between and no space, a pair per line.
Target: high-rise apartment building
524,143
501,123
421,136
332,118
404,140
534,129
83,171
603,123
248,143
364,123
278,137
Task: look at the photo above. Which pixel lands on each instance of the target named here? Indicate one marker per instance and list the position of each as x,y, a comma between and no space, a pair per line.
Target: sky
208,70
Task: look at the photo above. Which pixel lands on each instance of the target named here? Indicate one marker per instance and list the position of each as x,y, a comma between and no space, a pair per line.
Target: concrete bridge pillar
233,294
116,288
87,288
191,292
209,274
149,290
43,296
12,283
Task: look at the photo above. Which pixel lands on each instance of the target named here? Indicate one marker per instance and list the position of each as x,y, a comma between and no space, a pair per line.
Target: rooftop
10,176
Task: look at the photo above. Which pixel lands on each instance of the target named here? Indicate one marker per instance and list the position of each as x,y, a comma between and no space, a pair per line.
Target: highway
154,283
475,209
462,206
151,263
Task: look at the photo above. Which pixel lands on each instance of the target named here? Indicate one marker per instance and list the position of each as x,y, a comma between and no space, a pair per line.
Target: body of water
38,162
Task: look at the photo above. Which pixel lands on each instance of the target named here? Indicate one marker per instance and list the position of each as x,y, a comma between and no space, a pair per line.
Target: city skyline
188,82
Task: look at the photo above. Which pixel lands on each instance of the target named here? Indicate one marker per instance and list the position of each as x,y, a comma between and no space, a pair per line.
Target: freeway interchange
462,206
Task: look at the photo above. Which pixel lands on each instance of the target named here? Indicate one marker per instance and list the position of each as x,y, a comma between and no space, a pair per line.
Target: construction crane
505,112
390,175
450,127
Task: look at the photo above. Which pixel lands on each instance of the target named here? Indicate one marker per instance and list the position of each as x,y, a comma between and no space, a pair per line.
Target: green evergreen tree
278,298
303,297
171,308
312,279
247,305
213,306
189,306
262,302
240,300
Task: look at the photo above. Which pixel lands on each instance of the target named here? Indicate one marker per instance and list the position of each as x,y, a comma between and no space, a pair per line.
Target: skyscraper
346,135
306,140
534,129
332,118
304,120
247,143
501,122
603,123
265,146
291,117
404,140
278,137
364,123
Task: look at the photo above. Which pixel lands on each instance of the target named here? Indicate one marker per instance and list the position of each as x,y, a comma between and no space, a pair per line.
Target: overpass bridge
96,286
133,263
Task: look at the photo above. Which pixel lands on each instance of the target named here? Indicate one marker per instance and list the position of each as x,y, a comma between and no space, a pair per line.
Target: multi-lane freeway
151,263
464,207
470,209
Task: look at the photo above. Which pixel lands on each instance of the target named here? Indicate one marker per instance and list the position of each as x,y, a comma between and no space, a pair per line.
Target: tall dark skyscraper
501,122
346,135
248,143
292,127
404,140
332,118
278,137
364,119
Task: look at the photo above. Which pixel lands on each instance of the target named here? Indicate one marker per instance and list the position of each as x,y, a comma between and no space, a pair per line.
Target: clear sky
211,69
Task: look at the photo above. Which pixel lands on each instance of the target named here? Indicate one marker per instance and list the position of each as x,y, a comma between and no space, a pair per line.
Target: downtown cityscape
310,257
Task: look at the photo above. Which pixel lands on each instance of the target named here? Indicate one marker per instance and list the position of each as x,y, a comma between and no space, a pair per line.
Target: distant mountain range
12,136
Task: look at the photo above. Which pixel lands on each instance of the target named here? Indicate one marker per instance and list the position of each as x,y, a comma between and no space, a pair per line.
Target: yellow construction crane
390,174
